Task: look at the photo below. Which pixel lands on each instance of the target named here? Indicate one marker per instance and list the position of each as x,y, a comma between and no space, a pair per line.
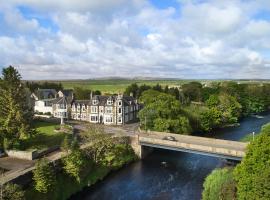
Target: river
182,179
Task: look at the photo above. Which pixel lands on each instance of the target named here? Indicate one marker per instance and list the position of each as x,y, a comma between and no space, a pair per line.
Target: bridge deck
194,144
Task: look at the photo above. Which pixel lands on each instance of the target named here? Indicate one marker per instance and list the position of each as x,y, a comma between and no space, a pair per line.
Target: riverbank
182,178
67,186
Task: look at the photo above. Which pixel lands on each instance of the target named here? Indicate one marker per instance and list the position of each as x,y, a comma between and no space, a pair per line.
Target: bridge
192,144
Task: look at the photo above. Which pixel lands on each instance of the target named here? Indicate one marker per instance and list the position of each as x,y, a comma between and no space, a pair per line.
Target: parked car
2,153
170,138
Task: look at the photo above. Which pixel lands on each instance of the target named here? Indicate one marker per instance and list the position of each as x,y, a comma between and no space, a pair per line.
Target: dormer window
120,103
83,108
73,107
109,101
78,108
95,102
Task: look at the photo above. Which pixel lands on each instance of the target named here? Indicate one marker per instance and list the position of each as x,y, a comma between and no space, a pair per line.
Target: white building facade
109,110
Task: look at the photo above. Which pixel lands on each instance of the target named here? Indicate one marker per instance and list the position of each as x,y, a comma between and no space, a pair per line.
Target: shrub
74,163
44,176
12,192
219,185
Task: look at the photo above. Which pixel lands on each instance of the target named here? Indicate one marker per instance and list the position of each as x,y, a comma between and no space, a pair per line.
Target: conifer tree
15,112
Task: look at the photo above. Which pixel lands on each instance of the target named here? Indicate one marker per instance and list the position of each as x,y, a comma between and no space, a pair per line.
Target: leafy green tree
44,176
193,91
227,105
74,164
16,115
219,185
210,119
133,90
12,192
253,173
162,112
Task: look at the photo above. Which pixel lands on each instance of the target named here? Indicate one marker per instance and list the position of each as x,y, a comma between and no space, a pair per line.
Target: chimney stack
91,95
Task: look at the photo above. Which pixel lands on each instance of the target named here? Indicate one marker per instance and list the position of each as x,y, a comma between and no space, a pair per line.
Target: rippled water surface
182,179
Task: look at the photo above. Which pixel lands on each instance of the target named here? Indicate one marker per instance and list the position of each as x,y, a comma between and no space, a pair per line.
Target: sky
185,39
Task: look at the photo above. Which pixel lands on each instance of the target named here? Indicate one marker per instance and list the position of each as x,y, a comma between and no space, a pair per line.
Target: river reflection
181,179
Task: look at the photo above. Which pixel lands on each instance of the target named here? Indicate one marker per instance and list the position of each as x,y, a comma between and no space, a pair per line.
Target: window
108,119
109,110
95,102
94,118
78,116
119,110
74,107
83,108
62,106
93,109
109,101
120,103
120,119
78,108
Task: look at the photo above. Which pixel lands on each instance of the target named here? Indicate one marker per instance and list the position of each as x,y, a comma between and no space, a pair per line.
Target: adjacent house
50,102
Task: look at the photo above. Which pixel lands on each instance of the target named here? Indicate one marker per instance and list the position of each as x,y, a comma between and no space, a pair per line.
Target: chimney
91,95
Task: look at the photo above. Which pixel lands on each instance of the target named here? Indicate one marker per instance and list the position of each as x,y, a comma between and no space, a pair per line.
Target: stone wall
30,155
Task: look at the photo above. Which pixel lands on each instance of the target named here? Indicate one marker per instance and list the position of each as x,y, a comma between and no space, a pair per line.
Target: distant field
119,85
116,86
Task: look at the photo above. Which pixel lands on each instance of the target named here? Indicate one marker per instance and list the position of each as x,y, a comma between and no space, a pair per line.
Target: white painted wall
40,107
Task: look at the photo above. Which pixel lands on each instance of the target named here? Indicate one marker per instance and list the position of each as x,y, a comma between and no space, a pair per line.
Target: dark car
170,138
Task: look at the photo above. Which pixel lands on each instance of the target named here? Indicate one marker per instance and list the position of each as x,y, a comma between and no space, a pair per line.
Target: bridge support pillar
141,151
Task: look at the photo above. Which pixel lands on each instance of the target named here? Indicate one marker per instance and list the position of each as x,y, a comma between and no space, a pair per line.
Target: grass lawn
46,137
248,137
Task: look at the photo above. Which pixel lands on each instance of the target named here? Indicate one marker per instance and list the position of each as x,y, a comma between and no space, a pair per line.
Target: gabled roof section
45,93
67,92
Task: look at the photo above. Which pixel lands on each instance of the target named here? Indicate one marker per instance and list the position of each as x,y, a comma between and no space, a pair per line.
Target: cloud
200,39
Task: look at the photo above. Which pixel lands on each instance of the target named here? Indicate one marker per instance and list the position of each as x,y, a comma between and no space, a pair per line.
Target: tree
74,163
66,146
132,90
12,192
44,176
162,112
253,173
193,91
210,119
16,115
219,185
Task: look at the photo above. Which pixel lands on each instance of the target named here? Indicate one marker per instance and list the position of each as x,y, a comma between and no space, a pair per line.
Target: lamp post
253,135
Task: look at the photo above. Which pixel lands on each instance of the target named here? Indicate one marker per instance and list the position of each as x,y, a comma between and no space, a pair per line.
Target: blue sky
198,39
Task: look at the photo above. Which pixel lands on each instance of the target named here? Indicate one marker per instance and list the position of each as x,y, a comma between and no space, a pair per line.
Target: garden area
49,134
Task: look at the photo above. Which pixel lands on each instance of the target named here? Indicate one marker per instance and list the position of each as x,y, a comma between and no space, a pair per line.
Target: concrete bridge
199,145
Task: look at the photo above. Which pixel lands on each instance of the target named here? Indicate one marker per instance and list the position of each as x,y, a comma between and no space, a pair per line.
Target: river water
182,179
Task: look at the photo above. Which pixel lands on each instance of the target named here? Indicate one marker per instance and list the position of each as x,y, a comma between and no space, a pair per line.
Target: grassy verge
46,137
248,138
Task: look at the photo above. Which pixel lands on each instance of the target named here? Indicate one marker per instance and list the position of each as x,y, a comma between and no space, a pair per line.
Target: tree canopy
161,112
253,174
16,113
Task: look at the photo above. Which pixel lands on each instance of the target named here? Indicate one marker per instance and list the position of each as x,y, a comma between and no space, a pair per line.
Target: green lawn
46,137
248,138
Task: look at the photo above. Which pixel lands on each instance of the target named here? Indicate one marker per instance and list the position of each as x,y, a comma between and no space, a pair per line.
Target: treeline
34,85
198,108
